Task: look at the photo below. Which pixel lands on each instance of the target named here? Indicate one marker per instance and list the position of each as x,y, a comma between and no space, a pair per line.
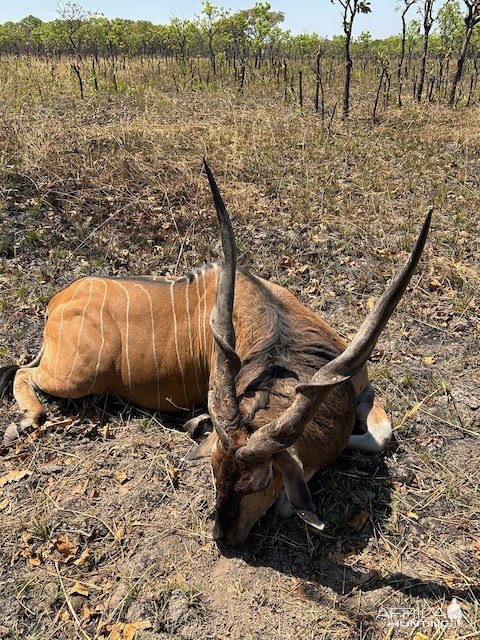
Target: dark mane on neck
282,351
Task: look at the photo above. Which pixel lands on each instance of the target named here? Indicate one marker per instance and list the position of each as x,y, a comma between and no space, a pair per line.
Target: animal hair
283,352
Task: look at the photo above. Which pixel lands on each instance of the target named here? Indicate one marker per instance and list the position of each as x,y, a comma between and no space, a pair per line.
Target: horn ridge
222,396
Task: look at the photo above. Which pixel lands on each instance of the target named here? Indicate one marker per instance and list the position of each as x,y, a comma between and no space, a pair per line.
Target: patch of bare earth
106,530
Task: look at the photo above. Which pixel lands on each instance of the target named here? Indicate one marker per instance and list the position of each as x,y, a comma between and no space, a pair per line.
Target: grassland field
107,531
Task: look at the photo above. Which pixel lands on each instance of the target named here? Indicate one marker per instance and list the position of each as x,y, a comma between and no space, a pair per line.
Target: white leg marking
79,335
373,422
172,297
370,442
102,339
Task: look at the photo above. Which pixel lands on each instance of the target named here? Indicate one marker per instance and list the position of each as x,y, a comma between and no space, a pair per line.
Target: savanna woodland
329,153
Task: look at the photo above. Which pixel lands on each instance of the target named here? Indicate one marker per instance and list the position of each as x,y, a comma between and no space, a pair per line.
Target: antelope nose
221,537
218,535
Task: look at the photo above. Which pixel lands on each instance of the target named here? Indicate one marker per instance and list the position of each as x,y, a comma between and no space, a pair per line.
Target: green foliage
390,46
413,35
217,33
365,39
306,44
475,39
210,26
351,7
451,27
247,31
181,36
261,22
364,7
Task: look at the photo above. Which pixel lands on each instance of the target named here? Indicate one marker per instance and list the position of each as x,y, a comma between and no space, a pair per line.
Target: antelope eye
260,483
266,482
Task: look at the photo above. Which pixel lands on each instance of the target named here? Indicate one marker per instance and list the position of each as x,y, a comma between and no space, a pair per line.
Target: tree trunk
402,59
423,69
348,75
319,97
375,106
213,57
461,60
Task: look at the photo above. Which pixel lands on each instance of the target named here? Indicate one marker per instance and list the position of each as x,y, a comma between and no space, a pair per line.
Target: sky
301,16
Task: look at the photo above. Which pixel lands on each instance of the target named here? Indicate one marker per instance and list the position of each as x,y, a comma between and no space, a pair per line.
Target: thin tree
74,16
211,25
384,62
350,8
406,6
450,31
471,19
428,20
319,95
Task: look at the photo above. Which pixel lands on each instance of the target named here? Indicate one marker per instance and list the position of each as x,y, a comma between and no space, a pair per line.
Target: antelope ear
204,449
296,489
198,426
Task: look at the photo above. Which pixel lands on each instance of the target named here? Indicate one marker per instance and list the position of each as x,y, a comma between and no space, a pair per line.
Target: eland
283,389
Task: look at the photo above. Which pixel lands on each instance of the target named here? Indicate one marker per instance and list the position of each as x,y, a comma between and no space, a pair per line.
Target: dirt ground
106,529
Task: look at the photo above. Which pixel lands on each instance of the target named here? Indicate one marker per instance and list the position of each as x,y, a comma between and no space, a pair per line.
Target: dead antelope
287,407
148,340
282,400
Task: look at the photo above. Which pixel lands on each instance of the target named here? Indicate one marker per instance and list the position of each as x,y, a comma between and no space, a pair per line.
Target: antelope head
253,464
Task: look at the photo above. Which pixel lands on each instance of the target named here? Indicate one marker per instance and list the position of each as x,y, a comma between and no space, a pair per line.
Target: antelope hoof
25,423
11,434
32,419
199,426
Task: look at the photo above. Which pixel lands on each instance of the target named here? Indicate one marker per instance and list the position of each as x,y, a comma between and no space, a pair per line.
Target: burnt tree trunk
348,74
471,19
319,97
427,26
408,4
76,70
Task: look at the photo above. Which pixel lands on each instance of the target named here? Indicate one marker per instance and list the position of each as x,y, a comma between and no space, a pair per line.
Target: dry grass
112,184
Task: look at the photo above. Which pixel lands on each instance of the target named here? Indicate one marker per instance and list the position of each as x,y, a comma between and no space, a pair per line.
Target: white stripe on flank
208,352
204,319
61,328
194,360
80,335
154,342
127,336
205,375
172,296
102,339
